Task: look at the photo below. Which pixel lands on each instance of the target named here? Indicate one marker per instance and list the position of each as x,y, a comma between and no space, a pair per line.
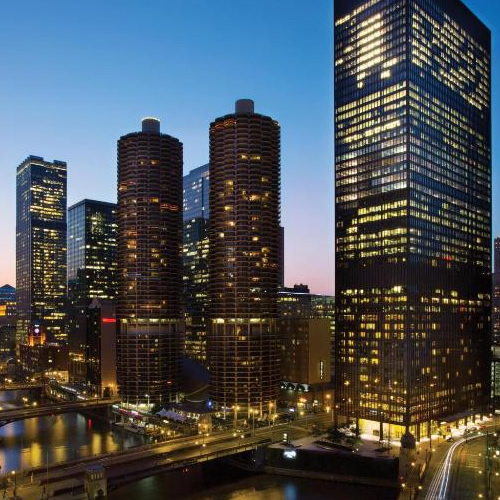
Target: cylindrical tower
242,345
150,333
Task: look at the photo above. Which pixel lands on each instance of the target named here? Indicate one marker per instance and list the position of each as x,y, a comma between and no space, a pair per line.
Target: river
32,442
220,482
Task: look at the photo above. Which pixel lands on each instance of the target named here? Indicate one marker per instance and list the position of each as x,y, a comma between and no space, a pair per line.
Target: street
462,469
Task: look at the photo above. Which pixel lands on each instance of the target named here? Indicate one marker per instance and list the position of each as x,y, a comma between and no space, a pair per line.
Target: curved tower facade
150,333
244,260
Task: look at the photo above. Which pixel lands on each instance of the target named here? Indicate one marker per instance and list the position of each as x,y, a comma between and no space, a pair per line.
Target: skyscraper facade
413,212
195,260
8,319
150,332
92,278
92,244
41,250
495,310
244,252
495,326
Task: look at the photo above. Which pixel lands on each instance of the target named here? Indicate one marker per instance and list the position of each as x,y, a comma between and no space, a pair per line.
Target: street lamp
270,411
330,406
147,395
15,483
236,408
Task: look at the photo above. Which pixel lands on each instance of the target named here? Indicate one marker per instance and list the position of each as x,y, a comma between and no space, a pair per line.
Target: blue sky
78,75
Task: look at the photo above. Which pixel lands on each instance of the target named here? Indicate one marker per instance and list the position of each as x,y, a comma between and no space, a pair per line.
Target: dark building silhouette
41,250
244,260
195,260
150,334
413,213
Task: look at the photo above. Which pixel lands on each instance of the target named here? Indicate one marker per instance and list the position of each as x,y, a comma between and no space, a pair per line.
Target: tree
335,435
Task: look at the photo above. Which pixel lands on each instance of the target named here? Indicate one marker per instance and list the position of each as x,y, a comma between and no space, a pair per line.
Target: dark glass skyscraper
150,335
92,274
413,212
195,260
244,259
495,311
41,250
495,326
92,242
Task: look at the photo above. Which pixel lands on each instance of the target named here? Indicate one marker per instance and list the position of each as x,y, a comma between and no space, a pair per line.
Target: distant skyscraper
413,213
244,259
195,189
150,335
195,259
41,250
92,243
305,328
92,274
8,319
8,312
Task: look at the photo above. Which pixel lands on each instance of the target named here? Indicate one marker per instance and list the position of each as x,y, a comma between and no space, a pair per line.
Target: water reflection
220,482
33,442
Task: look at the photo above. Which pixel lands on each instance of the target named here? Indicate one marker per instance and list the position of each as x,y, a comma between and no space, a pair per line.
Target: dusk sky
78,75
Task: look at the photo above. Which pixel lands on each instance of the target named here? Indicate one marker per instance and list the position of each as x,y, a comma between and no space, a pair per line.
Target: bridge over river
143,461
11,415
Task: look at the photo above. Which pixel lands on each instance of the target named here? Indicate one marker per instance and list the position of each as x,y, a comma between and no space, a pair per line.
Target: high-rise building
413,213
92,275
8,319
244,252
305,328
8,308
150,330
495,326
495,312
297,303
92,242
41,250
195,260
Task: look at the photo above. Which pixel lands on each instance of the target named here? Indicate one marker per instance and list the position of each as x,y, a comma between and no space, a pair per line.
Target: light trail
439,484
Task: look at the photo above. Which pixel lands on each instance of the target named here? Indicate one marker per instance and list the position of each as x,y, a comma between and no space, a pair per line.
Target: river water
32,442
220,482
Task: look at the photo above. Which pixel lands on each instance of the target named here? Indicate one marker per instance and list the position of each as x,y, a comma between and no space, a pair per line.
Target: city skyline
85,96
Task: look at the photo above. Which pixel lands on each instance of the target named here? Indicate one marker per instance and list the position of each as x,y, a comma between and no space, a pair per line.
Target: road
462,472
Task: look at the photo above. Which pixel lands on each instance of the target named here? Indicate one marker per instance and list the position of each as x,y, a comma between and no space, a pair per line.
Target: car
450,439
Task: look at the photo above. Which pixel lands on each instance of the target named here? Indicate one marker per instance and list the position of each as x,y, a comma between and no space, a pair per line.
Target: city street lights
236,408
15,483
253,421
330,405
